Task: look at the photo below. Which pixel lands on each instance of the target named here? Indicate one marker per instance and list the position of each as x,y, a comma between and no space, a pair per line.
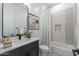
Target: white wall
78,25
0,20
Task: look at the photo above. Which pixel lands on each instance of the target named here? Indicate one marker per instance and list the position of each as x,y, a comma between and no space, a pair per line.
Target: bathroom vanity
24,47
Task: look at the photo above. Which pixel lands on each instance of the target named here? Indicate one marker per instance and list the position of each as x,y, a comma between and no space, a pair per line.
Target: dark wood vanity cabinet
31,49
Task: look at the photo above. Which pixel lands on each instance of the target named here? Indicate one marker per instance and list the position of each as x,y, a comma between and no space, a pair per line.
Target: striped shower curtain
45,28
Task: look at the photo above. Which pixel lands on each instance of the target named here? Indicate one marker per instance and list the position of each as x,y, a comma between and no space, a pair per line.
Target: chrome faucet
18,30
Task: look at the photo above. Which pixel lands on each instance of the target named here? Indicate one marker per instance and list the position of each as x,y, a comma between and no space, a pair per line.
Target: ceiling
36,8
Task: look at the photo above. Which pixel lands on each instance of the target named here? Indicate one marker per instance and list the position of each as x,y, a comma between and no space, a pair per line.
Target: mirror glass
14,18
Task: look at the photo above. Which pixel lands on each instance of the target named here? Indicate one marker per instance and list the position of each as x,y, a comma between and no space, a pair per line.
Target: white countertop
18,43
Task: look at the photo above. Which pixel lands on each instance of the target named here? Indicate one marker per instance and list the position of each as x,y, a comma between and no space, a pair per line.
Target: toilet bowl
43,50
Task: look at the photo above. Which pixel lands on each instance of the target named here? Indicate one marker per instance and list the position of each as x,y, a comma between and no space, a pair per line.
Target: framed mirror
14,19
33,22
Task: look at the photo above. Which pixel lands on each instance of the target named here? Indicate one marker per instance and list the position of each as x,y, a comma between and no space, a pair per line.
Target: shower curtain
45,28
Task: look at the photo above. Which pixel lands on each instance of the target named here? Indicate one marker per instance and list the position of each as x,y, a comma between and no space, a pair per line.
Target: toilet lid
44,47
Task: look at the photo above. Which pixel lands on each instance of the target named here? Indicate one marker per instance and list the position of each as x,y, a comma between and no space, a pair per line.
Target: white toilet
43,50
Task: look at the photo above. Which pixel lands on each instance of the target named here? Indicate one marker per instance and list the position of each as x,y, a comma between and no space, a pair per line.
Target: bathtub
61,49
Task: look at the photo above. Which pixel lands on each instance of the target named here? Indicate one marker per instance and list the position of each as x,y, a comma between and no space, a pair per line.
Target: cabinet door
34,51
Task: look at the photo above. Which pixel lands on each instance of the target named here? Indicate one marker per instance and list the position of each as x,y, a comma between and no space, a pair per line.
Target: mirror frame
3,18
29,14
